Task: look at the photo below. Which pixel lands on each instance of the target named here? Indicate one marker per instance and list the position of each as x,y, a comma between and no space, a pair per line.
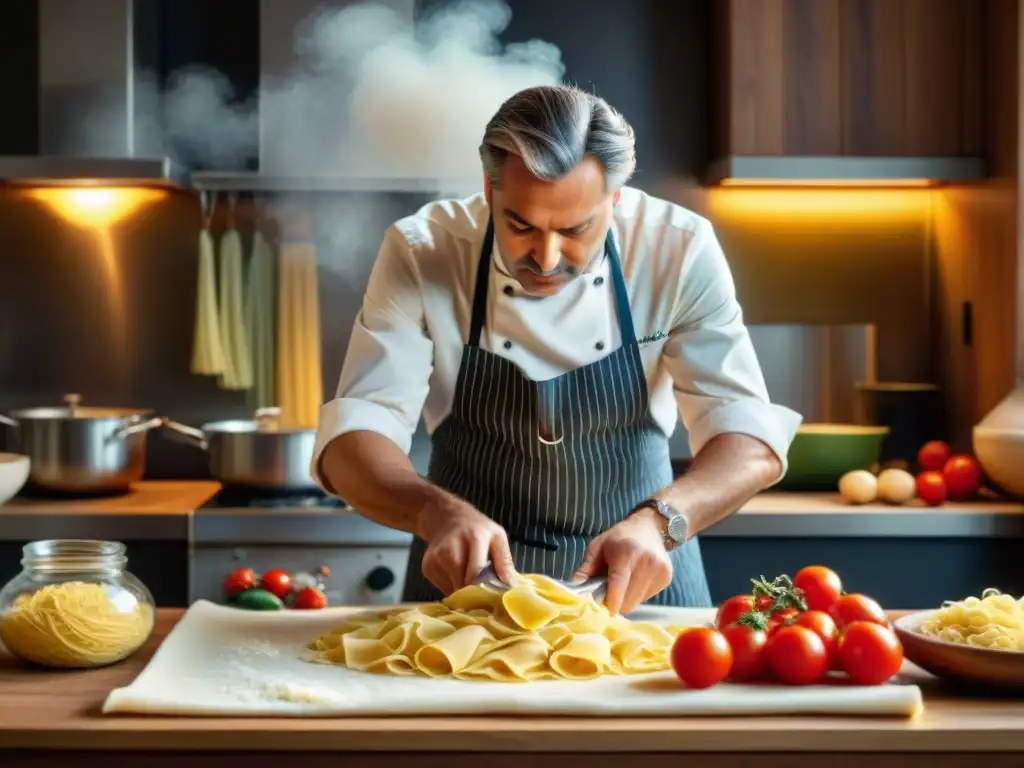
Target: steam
372,95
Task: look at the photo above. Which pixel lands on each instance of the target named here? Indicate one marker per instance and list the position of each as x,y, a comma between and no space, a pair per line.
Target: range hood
289,161
780,170
96,125
87,118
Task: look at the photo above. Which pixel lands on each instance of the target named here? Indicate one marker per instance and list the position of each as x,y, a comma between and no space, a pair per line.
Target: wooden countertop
149,497
44,710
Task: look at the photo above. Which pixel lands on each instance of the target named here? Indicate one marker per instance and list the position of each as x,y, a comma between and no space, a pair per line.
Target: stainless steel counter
776,514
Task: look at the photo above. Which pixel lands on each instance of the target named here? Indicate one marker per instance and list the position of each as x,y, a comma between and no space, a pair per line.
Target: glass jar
74,605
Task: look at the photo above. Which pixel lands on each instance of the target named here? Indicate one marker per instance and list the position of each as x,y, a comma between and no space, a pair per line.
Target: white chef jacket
407,341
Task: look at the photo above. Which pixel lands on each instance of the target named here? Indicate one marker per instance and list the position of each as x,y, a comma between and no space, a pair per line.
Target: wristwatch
676,529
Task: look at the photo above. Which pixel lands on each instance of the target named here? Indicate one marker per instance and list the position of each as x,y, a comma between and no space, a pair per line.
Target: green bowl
822,453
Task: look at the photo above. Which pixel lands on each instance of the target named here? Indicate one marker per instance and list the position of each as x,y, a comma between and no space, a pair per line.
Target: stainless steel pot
255,453
75,449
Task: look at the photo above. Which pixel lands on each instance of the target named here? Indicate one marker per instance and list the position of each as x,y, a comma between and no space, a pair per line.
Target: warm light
836,205
95,207
831,183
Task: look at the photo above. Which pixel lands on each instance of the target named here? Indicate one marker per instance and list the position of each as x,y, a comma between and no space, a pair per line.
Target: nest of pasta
993,621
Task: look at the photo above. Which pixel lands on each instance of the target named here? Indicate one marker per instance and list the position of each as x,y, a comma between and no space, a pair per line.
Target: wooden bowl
965,665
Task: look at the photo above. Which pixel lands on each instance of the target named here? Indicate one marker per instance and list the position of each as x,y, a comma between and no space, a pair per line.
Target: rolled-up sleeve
718,383
386,373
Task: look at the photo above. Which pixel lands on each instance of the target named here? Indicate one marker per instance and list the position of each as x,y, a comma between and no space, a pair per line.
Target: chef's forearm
729,470
375,476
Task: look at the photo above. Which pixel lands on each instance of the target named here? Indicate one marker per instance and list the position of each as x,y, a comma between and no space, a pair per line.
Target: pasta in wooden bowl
537,630
977,641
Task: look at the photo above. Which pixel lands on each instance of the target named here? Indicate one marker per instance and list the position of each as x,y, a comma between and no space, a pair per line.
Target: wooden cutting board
228,662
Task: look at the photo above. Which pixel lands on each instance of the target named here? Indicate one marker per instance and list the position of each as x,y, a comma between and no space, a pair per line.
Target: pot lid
265,421
73,410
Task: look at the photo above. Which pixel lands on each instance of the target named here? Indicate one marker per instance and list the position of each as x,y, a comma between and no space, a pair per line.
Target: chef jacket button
507,344
599,345
598,280
509,290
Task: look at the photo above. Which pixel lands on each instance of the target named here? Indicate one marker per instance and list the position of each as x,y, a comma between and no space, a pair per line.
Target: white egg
858,486
896,486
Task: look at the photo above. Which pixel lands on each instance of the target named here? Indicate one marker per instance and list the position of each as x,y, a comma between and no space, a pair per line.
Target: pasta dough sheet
221,661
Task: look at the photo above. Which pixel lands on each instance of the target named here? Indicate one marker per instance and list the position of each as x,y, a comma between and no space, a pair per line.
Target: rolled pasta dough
537,630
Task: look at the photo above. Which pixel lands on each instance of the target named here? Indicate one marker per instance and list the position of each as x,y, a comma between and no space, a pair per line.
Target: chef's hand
460,541
634,553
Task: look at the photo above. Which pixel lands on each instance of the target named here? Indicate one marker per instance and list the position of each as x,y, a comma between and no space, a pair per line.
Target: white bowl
1001,454
13,473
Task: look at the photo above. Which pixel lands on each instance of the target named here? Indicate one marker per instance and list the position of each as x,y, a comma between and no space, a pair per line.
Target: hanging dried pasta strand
207,351
313,392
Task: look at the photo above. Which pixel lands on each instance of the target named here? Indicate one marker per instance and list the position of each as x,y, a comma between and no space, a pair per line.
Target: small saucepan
254,453
76,449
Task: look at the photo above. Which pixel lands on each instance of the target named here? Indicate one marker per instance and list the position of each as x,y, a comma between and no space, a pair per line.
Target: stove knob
380,578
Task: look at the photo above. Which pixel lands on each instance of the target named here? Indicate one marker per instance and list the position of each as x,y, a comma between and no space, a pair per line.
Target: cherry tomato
732,609
764,603
869,653
309,598
277,582
821,586
850,608
823,625
747,644
781,618
701,657
238,581
963,477
933,455
931,487
796,655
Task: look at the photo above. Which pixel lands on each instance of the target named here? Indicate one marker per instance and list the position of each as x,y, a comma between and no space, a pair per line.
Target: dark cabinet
849,77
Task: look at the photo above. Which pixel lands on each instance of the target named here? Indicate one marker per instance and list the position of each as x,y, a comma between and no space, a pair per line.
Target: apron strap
621,295
483,270
479,313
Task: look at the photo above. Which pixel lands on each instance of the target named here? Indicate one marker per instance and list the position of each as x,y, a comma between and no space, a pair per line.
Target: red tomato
782,618
747,646
823,625
238,581
309,598
796,655
821,586
701,657
963,477
764,603
870,654
277,582
931,488
851,608
934,455
732,609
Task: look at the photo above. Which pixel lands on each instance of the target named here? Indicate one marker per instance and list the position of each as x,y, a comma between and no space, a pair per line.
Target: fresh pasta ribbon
75,624
993,620
537,630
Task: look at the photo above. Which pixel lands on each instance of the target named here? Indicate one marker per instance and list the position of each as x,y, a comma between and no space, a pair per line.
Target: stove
301,533
243,498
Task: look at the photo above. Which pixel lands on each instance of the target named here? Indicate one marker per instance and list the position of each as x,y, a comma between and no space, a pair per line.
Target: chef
548,331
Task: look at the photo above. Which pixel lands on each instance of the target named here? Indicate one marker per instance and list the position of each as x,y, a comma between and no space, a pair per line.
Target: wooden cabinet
849,77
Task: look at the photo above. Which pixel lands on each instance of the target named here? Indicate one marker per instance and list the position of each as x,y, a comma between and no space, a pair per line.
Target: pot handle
134,428
189,435
268,419
12,423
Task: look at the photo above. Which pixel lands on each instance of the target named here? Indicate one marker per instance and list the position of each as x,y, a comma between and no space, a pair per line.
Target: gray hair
552,128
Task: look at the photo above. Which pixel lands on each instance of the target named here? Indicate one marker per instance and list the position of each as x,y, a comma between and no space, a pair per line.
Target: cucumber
256,599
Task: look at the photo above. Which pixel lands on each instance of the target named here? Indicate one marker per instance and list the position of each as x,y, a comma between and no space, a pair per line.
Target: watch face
678,528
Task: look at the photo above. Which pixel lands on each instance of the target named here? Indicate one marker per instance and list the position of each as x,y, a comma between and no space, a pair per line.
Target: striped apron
554,462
